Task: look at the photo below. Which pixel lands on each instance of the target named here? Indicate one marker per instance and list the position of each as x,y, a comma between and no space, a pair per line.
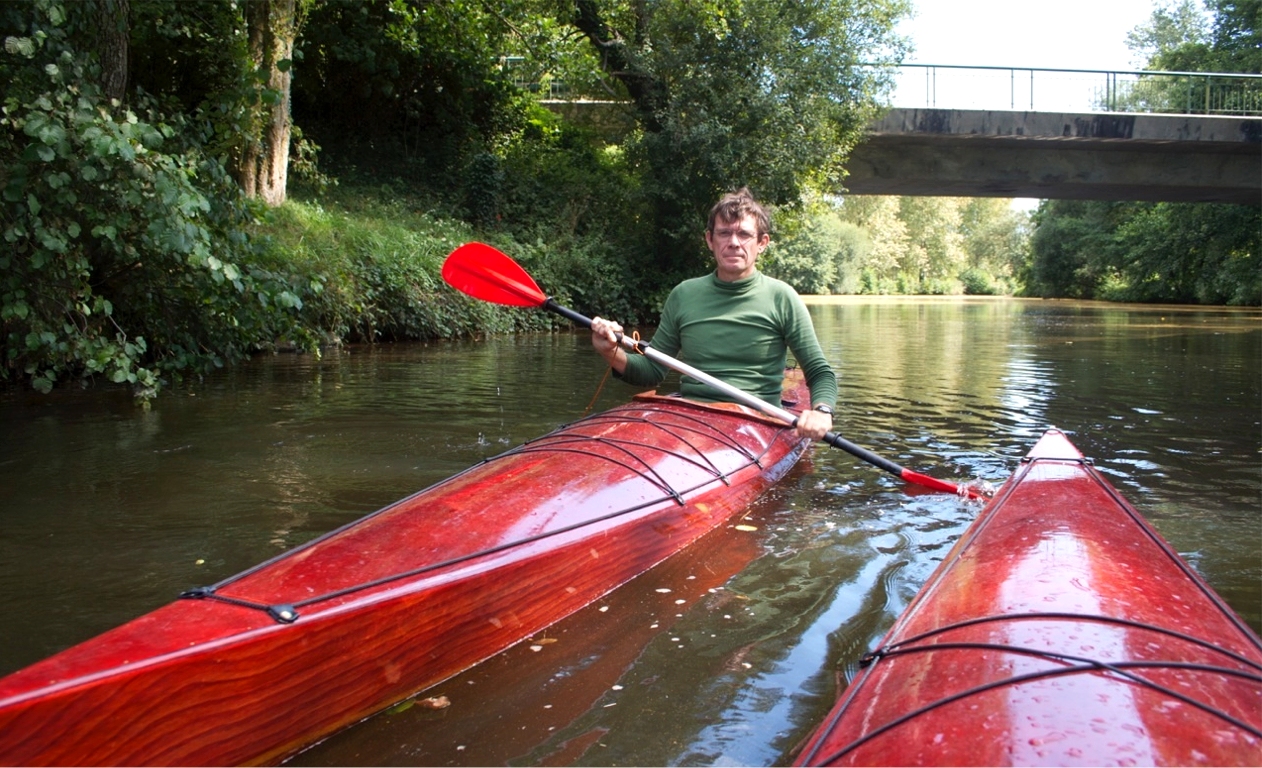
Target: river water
110,510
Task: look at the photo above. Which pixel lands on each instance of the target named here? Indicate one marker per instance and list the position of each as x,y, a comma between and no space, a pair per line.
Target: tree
114,26
1175,24
1181,37
415,86
262,168
768,93
888,240
937,257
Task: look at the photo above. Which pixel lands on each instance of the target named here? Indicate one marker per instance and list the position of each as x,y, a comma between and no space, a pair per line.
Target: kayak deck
1060,630
253,668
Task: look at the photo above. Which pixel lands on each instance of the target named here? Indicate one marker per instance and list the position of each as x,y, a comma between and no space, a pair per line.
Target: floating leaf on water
434,702
746,528
536,648
662,590
402,706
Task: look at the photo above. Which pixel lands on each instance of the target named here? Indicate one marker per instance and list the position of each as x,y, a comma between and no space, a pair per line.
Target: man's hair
735,206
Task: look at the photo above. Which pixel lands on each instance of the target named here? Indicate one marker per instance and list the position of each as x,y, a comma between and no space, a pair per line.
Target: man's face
736,245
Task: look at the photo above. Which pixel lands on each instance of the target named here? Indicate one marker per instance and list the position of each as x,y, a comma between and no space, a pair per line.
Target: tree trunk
114,25
264,167
618,60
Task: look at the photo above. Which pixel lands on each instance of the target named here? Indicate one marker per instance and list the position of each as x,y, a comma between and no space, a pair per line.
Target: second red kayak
1060,630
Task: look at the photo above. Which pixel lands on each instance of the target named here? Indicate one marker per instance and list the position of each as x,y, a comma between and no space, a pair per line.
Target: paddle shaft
758,404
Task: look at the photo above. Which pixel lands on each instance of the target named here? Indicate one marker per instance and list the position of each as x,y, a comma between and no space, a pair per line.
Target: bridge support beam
1179,158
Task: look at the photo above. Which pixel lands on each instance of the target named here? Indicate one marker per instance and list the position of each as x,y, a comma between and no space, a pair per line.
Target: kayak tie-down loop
1066,665
283,613
558,445
681,428
909,645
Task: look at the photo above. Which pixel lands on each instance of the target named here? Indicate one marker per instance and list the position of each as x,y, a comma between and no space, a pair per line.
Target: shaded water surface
107,511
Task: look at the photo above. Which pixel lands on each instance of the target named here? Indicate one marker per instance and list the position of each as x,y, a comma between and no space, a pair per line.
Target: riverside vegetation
186,184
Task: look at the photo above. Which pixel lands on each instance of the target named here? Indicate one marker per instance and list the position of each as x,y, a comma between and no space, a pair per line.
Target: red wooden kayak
1060,630
258,666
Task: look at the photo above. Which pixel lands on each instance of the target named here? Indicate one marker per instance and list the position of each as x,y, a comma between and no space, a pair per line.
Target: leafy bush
126,252
978,282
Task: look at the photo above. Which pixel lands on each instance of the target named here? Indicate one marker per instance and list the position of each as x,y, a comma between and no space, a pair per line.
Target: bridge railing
939,86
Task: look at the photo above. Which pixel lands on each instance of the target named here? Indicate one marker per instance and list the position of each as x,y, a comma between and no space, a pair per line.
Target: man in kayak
735,323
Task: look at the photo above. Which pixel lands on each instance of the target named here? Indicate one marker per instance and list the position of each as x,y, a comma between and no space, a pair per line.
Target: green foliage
884,245
1151,252
1180,37
127,255
928,245
411,85
821,256
978,282
1169,252
373,258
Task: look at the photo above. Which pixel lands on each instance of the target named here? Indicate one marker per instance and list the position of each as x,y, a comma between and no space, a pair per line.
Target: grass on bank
372,266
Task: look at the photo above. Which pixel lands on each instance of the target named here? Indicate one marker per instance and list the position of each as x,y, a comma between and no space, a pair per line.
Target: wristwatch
824,409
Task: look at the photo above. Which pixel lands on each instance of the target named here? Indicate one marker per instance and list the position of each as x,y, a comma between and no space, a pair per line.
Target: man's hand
813,424
605,335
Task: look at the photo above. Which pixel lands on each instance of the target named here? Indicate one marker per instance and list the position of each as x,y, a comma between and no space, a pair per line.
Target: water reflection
110,511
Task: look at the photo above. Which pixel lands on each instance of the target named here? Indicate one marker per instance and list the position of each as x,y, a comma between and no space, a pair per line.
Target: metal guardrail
1074,90
952,86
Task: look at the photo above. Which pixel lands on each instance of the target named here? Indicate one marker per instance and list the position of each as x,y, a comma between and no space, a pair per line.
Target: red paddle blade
485,273
966,490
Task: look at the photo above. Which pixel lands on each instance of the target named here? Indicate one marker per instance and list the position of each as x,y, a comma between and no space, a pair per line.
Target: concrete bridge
1087,156
1049,133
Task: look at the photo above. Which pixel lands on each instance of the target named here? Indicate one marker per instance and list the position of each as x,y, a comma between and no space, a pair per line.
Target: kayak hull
1060,630
256,667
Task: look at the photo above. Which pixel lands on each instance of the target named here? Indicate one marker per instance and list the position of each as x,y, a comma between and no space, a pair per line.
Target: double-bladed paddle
486,273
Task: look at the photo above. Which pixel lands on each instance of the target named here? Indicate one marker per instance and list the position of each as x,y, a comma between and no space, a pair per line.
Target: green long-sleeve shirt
740,333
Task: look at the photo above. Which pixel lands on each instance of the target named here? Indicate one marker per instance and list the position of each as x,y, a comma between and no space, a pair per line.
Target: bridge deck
1095,156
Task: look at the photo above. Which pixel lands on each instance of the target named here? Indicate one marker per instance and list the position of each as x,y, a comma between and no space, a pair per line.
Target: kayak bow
1060,630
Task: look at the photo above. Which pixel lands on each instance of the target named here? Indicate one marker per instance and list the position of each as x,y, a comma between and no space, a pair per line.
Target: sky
1018,34
1070,34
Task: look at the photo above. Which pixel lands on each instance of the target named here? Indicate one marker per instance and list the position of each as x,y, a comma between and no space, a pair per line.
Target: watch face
824,409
